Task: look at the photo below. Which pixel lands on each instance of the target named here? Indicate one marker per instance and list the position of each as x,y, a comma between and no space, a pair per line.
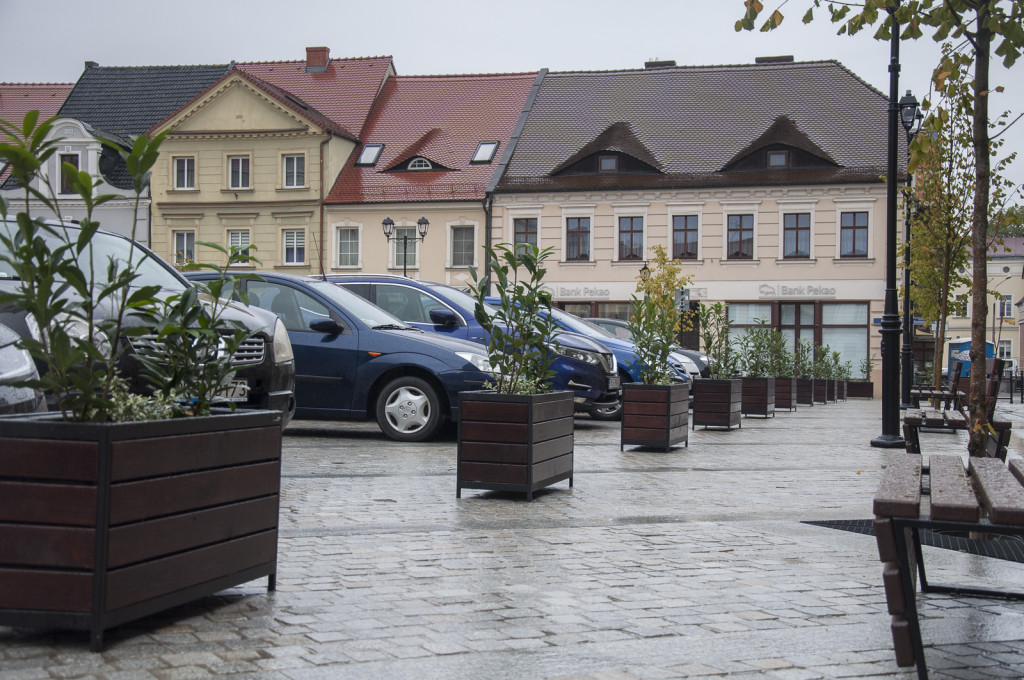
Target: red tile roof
17,99
344,92
443,119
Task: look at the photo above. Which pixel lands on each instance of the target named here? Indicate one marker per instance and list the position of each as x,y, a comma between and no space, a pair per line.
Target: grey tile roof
128,100
694,121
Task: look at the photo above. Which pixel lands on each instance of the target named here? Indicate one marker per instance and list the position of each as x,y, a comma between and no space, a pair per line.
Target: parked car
16,365
355,361
264,370
620,329
583,365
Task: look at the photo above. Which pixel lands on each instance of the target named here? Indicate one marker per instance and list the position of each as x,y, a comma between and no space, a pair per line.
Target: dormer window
608,164
778,159
369,154
419,163
485,152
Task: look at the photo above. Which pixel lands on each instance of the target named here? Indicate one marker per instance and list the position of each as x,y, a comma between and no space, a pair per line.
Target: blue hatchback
584,365
355,361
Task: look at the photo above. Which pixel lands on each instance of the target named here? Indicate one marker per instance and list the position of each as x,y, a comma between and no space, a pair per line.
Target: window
740,237
239,238
369,154
608,164
296,309
744,316
631,238
405,248
408,304
844,328
796,321
853,234
796,235
420,164
185,172
463,247
485,152
294,171
238,172
778,159
184,248
294,246
65,177
577,239
348,247
958,305
684,237
1004,349
525,230
1006,307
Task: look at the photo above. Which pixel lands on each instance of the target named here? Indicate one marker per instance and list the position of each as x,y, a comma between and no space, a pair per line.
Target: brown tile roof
695,121
344,92
443,119
17,99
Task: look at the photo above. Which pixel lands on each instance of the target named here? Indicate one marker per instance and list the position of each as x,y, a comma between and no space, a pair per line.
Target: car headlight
282,345
15,363
577,354
479,361
78,328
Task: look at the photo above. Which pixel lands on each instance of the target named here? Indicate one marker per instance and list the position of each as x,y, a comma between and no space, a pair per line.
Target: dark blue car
355,361
583,365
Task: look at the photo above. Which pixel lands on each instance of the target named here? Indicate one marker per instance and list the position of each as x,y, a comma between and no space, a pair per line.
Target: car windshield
578,325
356,305
151,270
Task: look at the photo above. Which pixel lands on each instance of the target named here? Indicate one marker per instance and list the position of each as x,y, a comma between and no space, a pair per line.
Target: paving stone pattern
690,563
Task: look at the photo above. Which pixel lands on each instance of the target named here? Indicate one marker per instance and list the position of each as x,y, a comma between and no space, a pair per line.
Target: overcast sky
49,41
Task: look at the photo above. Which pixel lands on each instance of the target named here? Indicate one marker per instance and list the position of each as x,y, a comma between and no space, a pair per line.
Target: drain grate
1010,548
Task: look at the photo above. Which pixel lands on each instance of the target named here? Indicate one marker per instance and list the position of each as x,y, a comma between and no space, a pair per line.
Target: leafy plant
867,365
656,319
714,335
521,331
805,358
763,353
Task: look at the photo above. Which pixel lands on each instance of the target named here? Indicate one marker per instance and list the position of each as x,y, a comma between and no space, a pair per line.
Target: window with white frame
796,235
740,237
1006,307
294,247
405,245
631,238
484,152
238,172
239,238
65,173
577,239
294,170
184,247
684,237
463,246
1004,350
348,246
185,172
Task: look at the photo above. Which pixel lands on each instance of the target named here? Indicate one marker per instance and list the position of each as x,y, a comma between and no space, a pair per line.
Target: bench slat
934,418
952,496
956,419
998,490
899,494
1016,466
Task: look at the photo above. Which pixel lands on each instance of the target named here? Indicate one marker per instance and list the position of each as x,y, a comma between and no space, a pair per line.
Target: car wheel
408,410
607,412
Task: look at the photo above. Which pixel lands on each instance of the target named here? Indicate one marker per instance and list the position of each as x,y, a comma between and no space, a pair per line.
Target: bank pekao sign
781,291
584,292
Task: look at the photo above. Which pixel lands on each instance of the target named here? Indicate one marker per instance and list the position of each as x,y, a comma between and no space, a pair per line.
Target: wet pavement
689,563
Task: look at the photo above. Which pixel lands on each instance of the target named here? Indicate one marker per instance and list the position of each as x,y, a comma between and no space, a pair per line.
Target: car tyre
408,410
607,412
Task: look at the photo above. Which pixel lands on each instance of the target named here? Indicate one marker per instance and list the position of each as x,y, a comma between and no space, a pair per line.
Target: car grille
250,352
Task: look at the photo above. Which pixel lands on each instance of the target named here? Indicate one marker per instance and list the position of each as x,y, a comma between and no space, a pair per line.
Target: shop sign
777,291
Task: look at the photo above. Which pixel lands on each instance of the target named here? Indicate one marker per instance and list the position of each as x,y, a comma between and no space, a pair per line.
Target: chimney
91,64
784,59
317,59
655,63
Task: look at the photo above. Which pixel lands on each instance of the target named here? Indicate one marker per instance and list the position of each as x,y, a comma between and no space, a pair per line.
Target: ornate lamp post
910,117
890,437
388,225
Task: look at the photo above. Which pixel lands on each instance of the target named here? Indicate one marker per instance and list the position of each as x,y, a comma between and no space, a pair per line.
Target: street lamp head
645,272
389,227
421,226
909,113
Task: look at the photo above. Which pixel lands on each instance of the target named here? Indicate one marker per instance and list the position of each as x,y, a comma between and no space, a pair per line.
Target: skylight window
485,152
420,163
369,154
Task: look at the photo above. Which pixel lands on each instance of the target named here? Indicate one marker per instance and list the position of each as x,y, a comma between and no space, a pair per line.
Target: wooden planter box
785,393
101,524
758,397
832,390
655,415
718,403
821,391
805,391
840,390
860,389
514,442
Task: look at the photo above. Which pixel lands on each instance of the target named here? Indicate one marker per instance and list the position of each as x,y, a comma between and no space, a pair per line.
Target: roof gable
618,137
783,131
434,145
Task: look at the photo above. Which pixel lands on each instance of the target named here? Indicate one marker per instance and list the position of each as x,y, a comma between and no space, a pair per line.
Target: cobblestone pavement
690,563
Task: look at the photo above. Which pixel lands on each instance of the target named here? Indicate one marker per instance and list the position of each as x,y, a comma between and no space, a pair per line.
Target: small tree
805,358
757,356
656,318
714,335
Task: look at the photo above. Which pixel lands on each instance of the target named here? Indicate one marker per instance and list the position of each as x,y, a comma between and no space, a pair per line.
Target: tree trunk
979,234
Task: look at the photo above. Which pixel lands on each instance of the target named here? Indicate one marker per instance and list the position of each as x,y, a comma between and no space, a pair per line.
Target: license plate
238,390
614,382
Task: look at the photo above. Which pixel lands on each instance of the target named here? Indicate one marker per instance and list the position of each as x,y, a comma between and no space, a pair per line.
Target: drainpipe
320,247
488,220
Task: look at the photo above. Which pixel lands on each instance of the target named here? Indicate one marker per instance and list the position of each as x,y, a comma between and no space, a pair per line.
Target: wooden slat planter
516,443
841,390
655,415
758,397
832,390
805,391
785,393
718,403
101,524
860,389
820,391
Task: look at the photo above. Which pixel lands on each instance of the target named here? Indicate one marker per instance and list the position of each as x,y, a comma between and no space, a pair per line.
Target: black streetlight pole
388,225
910,117
890,437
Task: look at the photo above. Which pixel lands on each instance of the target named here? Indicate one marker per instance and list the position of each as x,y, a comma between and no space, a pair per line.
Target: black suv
264,365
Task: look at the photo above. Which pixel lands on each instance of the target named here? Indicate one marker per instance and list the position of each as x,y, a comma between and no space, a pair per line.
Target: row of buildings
765,179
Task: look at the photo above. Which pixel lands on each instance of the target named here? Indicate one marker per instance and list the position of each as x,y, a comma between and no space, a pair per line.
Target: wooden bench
987,497
916,419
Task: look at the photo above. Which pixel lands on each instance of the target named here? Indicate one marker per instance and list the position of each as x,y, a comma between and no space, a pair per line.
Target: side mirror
443,317
326,326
